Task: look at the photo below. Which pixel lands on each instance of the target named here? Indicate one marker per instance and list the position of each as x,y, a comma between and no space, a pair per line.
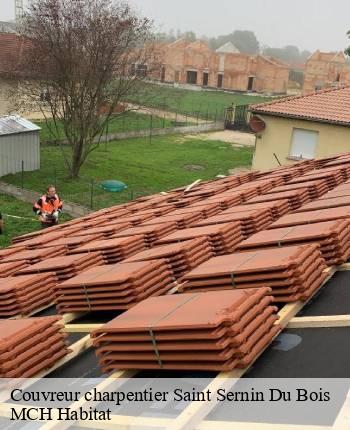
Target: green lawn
17,226
129,121
165,163
205,103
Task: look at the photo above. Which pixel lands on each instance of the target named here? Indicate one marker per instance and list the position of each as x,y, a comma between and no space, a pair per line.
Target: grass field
205,103
130,121
17,226
168,162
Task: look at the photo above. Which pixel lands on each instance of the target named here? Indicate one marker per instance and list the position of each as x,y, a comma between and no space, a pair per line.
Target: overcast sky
309,24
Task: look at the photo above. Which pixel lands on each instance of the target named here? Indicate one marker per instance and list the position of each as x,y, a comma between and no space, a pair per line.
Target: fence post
150,129
216,113
55,176
164,120
197,116
92,194
175,119
123,122
22,175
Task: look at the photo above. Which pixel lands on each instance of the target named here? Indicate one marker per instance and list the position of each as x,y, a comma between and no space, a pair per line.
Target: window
304,143
191,77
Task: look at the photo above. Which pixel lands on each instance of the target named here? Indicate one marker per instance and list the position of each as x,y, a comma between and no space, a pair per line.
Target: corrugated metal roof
15,124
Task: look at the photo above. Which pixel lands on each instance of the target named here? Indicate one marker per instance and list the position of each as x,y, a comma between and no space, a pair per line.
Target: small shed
19,145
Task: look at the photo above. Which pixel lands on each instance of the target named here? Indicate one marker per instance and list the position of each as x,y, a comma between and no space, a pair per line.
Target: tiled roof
329,106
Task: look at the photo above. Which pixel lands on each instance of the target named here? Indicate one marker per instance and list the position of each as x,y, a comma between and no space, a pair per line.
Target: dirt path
237,138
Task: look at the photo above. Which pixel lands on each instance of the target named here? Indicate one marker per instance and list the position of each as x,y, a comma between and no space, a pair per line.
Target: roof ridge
301,96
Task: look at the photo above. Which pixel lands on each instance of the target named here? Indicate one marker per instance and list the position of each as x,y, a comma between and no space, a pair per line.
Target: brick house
326,70
196,64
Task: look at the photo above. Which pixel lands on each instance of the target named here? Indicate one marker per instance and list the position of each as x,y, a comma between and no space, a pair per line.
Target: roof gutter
302,118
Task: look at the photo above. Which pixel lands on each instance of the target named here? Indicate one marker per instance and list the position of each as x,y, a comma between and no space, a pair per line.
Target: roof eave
302,118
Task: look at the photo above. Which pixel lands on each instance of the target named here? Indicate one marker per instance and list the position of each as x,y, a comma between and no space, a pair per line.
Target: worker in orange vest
48,207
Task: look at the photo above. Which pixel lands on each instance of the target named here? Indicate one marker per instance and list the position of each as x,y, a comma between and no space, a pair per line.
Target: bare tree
83,55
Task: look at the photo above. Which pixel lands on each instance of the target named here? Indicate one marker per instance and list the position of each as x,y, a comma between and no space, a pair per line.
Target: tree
347,50
84,55
244,40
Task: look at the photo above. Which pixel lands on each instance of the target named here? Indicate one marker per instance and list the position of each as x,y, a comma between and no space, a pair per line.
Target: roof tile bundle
339,191
344,169
114,287
33,256
11,268
296,198
38,241
333,178
21,295
28,346
74,241
223,238
181,257
251,221
225,200
151,233
182,220
105,230
325,204
7,252
207,209
332,236
315,188
216,331
182,201
292,272
67,266
277,208
133,220
114,250
311,217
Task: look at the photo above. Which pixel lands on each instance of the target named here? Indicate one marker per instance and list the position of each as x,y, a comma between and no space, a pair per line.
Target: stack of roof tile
39,241
223,238
311,217
65,267
182,220
296,198
339,191
74,241
277,208
315,188
104,230
251,221
332,236
344,169
324,203
21,295
33,256
333,178
28,346
151,233
116,286
133,220
9,269
207,209
293,272
225,200
114,250
181,257
217,331
7,252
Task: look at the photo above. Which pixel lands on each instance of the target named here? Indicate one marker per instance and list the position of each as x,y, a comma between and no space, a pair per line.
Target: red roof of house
329,106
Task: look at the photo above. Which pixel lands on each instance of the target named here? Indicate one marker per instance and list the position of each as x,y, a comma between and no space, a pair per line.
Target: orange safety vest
49,206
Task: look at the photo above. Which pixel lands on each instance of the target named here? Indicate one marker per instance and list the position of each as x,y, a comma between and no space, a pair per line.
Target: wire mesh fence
133,122
85,191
